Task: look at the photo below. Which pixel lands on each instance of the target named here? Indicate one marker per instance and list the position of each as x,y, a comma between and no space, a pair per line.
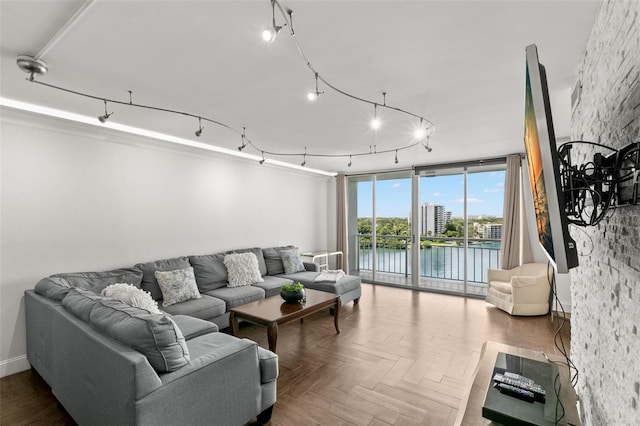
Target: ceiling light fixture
396,156
312,96
199,131
304,158
105,117
375,121
426,146
349,165
262,161
244,143
270,34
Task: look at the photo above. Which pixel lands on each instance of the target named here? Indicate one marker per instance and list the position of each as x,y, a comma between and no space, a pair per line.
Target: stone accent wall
605,288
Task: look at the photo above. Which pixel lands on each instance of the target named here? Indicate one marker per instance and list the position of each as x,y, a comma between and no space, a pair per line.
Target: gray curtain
341,222
516,246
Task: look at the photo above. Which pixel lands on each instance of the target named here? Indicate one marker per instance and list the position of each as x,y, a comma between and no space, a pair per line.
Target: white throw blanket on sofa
330,275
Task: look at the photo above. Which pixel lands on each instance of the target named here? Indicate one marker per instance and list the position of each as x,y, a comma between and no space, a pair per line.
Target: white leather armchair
523,290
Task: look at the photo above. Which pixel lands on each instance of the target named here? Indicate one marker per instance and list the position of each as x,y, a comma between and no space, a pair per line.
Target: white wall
81,198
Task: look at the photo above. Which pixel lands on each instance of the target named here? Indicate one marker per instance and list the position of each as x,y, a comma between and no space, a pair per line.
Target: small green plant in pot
292,293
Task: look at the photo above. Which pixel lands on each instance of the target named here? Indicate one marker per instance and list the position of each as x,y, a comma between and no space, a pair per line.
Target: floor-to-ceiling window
382,225
443,240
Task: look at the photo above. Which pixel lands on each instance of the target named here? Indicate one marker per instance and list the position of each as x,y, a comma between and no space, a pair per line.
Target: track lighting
199,131
262,161
349,165
105,117
396,156
270,34
375,122
312,96
304,158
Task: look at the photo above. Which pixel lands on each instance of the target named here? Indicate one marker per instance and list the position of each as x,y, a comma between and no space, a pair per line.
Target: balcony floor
433,284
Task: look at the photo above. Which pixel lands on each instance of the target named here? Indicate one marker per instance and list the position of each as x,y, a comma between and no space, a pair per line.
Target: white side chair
523,290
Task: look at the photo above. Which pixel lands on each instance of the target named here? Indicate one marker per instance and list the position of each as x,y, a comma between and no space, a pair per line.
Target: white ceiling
459,64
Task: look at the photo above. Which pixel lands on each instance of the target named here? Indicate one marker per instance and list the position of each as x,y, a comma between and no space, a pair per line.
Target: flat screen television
544,169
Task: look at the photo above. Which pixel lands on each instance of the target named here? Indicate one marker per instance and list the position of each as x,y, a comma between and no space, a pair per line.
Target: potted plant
292,293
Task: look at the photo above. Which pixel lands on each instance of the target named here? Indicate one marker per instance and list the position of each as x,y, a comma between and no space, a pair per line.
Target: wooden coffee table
273,311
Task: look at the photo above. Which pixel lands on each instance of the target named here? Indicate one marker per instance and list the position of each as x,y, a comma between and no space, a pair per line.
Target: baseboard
559,314
14,365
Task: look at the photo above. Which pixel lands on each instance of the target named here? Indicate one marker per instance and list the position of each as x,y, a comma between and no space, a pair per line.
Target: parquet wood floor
403,358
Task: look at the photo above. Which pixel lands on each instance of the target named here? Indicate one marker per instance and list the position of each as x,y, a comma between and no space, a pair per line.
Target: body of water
446,262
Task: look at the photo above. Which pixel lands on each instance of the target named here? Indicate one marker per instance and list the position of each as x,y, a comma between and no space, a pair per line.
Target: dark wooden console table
470,413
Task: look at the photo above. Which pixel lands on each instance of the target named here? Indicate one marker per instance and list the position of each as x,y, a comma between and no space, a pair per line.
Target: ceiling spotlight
244,144
199,131
396,156
262,161
105,117
420,132
312,96
375,122
270,34
427,147
349,165
304,158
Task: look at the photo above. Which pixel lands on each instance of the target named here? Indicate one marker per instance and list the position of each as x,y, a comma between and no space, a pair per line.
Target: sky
393,198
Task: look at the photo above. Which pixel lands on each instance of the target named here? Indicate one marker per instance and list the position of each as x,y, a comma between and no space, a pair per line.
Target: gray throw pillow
292,261
177,286
149,281
273,259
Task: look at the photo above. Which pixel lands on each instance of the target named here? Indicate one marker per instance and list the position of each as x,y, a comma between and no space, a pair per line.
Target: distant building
432,219
492,231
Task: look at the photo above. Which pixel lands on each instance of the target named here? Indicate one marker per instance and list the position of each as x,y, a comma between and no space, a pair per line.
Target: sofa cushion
205,308
177,285
271,285
131,295
273,259
259,255
80,302
57,286
155,336
149,282
243,269
236,296
292,261
210,271
193,327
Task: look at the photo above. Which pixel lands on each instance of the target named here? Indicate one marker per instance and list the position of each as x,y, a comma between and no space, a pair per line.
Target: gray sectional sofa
108,362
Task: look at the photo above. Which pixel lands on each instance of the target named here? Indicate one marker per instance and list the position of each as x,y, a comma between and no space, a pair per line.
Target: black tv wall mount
608,181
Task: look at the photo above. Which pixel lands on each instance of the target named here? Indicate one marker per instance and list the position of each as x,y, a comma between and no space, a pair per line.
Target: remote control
518,377
522,394
537,390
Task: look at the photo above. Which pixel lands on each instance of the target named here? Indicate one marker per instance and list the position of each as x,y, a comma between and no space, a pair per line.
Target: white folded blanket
330,275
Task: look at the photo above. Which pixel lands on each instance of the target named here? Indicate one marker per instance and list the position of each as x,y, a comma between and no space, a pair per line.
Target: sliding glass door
436,228
382,225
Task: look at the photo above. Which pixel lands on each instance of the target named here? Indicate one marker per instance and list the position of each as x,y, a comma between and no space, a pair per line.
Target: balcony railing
440,257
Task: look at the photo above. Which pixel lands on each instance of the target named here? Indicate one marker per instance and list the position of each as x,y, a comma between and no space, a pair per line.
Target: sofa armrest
222,380
311,267
268,365
522,281
499,275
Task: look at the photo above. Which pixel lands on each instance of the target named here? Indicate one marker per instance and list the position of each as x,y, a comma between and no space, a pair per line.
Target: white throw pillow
131,295
177,286
242,269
